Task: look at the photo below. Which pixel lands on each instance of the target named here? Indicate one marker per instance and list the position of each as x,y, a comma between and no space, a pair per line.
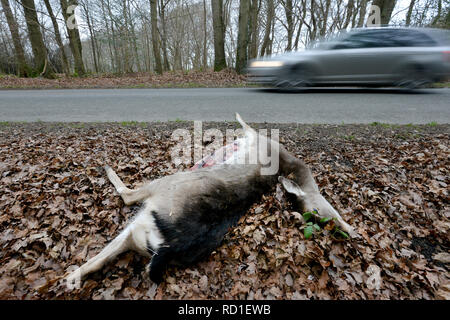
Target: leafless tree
386,7
219,35
22,67
243,35
42,65
155,38
123,36
58,37
74,35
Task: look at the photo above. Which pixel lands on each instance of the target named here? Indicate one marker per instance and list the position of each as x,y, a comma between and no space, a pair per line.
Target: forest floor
389,182
193,79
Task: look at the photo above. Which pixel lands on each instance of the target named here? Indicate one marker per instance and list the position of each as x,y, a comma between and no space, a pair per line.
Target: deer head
310,200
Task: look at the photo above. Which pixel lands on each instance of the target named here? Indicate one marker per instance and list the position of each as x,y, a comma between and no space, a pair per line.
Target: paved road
256,105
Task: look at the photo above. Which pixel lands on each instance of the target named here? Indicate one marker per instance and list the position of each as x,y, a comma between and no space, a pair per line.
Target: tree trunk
64,60
23,69
409,13
386,8
313,31
37,43
205,38
155,40
146,46
290,24
74,35
269,19
349,13
117,59
362,13
108,33
324,26
219,35
125,39
91,33
231,49
133,39
162,13
254,10
242,44
196,56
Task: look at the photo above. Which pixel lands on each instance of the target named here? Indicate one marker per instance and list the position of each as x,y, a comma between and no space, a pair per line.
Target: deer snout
325,210
310,201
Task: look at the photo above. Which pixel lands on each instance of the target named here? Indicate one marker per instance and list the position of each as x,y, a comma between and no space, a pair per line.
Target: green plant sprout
313,225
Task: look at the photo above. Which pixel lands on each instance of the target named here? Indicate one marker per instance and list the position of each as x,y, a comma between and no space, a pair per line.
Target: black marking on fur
204,222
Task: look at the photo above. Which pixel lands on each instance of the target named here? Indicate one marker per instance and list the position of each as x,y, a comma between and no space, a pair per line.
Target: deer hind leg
247,129
129,196
121,243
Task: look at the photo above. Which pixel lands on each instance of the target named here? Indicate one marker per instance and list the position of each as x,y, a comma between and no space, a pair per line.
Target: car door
392,48
359,57
408,47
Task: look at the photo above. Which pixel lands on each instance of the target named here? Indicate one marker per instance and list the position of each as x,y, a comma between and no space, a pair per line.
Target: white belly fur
144,231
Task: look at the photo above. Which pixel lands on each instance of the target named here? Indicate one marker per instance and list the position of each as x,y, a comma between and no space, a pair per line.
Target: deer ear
292,187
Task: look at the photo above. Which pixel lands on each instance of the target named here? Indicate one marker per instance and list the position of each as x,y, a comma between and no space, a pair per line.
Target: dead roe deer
185,216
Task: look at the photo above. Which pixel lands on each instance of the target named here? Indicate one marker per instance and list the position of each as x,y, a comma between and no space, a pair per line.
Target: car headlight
266,64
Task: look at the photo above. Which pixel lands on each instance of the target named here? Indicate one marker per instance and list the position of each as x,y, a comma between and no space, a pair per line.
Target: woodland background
156,36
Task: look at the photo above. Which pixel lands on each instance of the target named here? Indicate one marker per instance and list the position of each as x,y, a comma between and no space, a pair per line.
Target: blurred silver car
384,56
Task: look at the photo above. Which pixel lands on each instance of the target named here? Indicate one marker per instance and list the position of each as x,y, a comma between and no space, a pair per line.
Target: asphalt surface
329,105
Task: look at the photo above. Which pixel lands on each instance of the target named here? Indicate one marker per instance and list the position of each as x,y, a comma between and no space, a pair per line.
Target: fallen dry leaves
58,209
205,79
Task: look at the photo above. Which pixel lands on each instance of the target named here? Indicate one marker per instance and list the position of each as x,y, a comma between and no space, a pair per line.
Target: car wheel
414,77
294,77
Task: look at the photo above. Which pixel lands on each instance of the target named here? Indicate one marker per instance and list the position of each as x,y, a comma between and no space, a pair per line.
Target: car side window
356,41
412,38
386,38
